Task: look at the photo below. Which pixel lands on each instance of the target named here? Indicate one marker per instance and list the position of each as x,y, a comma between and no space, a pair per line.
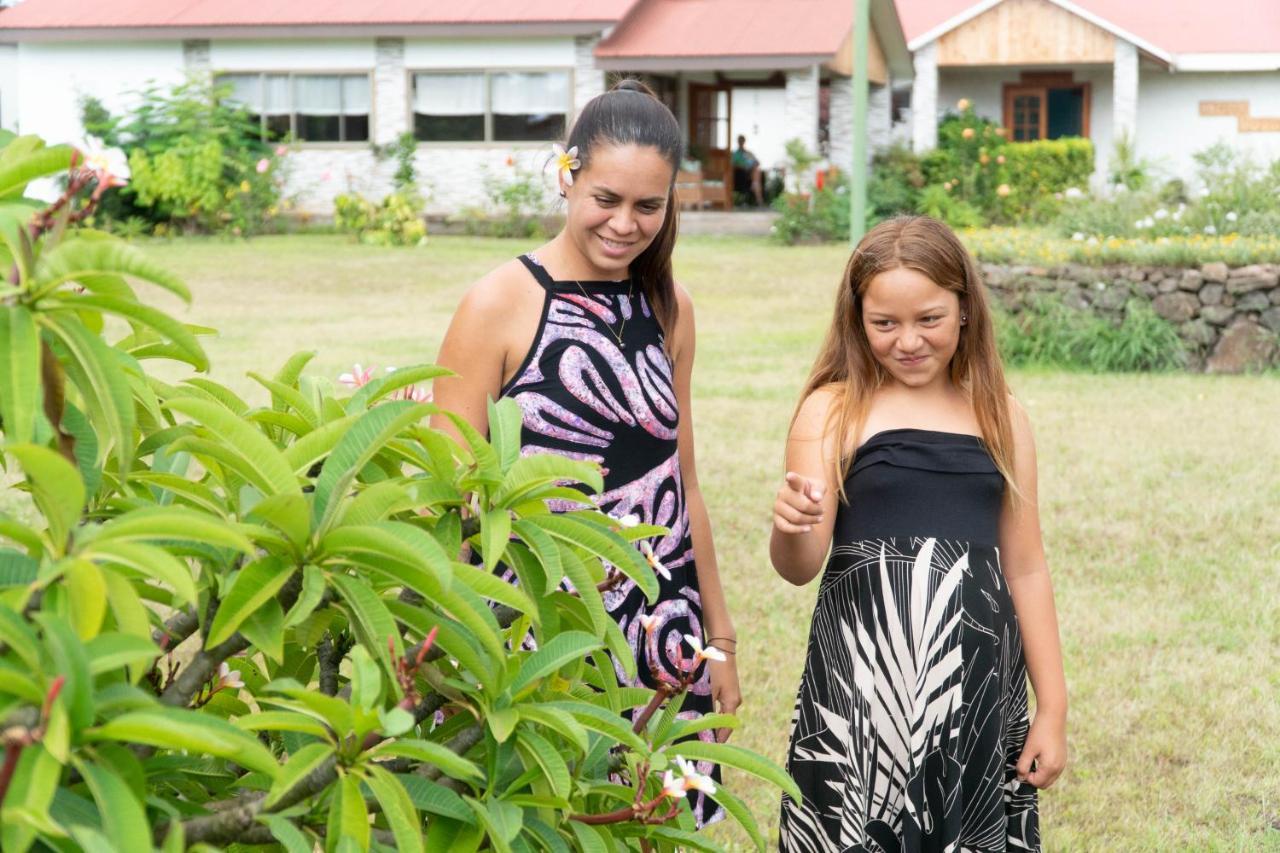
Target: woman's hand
725,692
798,506
1047,746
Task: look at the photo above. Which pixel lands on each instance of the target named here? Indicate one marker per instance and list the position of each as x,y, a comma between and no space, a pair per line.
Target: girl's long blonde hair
847,367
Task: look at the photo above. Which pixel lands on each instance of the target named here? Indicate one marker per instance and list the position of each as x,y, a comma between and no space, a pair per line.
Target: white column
802,106
588,80
924,99
879,117
1124,98
390,91
840,129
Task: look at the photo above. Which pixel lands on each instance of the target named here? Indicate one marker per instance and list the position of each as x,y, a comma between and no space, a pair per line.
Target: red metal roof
1176,26
132,14
697,28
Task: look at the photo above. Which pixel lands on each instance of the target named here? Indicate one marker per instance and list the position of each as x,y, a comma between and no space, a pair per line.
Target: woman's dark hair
630,114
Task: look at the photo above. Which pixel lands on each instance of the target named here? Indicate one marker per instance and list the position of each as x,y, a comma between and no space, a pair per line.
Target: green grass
1159,503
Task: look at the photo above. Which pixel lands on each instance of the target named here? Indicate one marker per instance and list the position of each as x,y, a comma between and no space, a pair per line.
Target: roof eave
1208,61
893,40
302,30
730,62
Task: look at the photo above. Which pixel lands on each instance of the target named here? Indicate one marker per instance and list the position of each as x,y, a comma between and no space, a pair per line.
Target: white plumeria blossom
652,558
629,520
566,161
1073,192
648,621
1209,229
228,677
1232,216
109,164
1078,236
693,780
709,653
1161,213
672,785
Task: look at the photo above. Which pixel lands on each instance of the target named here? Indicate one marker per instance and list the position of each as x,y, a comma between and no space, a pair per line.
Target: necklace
617,335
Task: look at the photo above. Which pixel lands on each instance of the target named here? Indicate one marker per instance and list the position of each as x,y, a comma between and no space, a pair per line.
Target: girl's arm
804,512
1027,572
715,612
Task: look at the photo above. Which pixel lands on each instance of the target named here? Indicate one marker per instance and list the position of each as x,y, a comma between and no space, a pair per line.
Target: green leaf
20,390
254,585
292,839
398,550
281,721
600,720
436,799
313,589
177,333
95,369
535,471
68,659
543,755
378,388
113,650
123,819
87,596
370,618
16,568
502,723
194,732
31,790
366,437
284,397
397,808
149,561
505,423
292,368
558,651
742,759
740,812
297,768
265,630
604,544
55,486
557,721
348,815
495,531
37,162
488,465
502,820
76,257
315,445
592,839
169,523
262,464
545,550
434,754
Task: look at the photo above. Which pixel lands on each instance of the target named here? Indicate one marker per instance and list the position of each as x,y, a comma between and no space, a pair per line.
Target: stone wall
1229,318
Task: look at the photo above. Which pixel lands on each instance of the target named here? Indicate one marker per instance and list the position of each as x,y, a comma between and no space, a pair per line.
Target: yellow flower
963,104
967,133
1003,190
244,186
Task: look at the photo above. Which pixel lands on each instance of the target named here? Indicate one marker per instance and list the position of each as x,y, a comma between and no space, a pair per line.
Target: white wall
9,86
1171,129
294,55
489,53
54,76
760,115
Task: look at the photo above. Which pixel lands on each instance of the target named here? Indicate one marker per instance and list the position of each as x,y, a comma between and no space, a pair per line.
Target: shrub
822,216
225,625
1032,246
1048,333
895,184
396,220
198,163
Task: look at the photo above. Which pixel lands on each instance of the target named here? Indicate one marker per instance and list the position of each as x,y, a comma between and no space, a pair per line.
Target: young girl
910,460
594,339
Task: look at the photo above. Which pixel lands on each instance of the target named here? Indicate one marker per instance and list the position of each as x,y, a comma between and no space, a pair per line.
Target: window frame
488,73
294,141
1039,84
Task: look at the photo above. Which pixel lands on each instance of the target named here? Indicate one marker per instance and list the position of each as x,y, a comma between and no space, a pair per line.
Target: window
1046,106
500,106
305,107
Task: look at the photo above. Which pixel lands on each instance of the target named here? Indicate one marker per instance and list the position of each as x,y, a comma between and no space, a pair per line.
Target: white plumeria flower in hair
700,654
654,562
566,161
672,785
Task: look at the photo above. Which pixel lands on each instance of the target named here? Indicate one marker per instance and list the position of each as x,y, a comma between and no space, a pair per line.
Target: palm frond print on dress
586,395
912,710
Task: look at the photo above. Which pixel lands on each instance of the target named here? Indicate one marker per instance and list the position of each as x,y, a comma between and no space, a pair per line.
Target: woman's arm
715,612
804,512
1027,572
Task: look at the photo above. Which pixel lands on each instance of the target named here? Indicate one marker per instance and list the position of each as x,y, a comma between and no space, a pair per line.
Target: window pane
448,128
278,128
355,94
355,128
275,89
246,89
540,127
313,128
317,95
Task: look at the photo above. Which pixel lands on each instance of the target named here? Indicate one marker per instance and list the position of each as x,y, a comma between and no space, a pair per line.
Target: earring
964,318
562,195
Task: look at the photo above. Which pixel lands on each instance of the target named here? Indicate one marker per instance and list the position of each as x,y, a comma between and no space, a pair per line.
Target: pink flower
263,165
414,393
357,378
281,150
326,176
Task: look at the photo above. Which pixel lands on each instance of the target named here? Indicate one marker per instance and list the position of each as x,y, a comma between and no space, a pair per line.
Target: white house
1174,75
479,83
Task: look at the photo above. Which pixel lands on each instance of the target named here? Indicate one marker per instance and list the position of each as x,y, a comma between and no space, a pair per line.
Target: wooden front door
710,111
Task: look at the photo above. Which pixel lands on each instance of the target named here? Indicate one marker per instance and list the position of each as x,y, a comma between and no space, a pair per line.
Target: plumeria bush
229,624
396,220
199,162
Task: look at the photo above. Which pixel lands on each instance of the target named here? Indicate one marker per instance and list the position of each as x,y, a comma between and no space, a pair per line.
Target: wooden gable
877,68
1026,32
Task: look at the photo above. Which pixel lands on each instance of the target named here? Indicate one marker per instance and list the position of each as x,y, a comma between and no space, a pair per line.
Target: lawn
1159,502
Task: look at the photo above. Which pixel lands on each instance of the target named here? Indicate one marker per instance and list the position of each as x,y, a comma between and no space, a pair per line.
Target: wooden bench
708,187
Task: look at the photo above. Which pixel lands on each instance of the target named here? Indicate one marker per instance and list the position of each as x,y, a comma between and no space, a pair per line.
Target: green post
858,173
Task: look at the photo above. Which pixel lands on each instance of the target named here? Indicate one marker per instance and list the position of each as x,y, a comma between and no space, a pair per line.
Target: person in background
747,166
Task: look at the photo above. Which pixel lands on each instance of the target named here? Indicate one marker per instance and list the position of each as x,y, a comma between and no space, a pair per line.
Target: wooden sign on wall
1245,123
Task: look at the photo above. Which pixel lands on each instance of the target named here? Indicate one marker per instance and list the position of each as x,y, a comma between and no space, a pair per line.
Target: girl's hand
724,690
1047,746
798,506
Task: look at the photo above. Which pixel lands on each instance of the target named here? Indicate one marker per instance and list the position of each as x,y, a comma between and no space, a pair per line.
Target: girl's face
913,326
616,206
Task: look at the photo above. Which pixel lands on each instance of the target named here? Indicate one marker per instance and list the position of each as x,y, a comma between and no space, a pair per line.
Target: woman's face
913,326
617,205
